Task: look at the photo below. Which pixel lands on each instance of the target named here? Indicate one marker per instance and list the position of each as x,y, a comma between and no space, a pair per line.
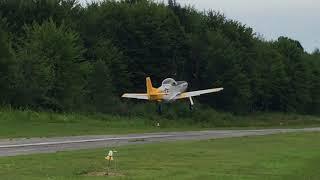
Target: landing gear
191,104
191,107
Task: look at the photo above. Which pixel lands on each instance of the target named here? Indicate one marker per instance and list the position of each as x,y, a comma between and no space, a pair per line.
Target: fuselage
170,89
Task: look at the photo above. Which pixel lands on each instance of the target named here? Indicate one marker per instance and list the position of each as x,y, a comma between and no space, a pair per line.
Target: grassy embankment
286,156
15,123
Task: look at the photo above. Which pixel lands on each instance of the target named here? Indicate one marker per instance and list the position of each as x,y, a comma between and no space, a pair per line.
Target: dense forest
63,56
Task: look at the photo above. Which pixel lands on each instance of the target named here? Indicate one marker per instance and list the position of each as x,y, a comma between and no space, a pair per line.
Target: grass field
286,156
15,123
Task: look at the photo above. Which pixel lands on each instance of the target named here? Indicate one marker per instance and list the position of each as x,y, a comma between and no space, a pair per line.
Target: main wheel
191,107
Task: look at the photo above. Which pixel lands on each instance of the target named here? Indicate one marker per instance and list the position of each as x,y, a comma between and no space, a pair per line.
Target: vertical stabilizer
150,89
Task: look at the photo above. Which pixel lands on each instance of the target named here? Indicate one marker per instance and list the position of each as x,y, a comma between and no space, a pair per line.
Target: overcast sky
298,19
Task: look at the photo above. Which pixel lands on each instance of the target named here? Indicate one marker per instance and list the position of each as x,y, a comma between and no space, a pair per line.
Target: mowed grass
27,123
285,156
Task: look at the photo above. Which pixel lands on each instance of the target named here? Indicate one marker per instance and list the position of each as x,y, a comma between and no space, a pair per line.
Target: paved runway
12,147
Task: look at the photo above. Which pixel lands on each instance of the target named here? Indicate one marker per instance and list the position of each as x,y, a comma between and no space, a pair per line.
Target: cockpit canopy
169,81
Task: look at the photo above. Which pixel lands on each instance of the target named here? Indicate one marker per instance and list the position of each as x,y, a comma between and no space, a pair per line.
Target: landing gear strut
191,103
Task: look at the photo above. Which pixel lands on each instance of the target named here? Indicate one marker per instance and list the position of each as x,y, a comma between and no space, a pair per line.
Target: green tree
298,88
115,62
100,90
7,65
22,12
148,34
50,64
313,61
271,81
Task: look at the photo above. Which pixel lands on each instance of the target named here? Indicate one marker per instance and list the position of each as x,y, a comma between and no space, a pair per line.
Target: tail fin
150,88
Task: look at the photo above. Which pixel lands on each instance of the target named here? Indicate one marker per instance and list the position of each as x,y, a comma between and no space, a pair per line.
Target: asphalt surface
23,146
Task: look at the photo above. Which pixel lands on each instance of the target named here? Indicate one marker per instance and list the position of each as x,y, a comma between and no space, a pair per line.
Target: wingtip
219,89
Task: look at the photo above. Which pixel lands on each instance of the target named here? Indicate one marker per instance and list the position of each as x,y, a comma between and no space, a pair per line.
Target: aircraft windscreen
169,81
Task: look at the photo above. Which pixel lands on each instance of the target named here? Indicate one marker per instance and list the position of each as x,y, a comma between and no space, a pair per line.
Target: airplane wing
136,96
197,93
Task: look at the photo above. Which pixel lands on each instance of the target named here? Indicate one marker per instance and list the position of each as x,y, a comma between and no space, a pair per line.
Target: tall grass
139,118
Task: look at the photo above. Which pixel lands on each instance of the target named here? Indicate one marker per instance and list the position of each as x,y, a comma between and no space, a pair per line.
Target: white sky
297,19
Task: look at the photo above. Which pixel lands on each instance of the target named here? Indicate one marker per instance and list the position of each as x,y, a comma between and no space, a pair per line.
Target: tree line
60,55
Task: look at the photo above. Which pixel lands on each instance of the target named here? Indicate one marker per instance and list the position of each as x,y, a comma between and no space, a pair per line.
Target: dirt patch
104,173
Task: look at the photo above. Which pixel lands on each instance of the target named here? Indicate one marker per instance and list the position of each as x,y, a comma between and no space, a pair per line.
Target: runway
23,146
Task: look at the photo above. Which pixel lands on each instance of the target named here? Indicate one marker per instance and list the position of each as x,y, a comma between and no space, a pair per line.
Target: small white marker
110,156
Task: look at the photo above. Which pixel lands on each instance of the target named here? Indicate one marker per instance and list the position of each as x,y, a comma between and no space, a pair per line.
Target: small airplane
169,91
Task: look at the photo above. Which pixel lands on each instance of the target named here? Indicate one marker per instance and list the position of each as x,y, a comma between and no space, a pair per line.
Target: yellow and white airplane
169,91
